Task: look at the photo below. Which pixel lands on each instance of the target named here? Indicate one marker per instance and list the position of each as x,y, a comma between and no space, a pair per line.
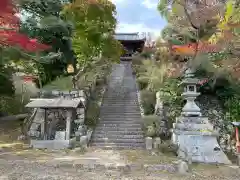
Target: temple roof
55,103
129,37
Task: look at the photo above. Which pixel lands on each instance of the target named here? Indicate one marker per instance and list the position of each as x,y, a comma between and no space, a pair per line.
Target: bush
150,123
148,100
137,61
226,89
6,84
233,108
61,83
142,83
146,54
92,113
12,105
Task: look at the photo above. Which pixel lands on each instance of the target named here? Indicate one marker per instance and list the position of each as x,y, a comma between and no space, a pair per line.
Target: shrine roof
55,103
129,37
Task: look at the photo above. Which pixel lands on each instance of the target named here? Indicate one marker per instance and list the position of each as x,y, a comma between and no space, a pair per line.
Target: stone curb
124,168
171,168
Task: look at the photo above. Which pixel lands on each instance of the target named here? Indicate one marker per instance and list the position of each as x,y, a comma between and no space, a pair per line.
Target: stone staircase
120,119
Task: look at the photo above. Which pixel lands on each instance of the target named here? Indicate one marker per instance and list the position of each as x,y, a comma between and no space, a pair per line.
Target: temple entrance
131,42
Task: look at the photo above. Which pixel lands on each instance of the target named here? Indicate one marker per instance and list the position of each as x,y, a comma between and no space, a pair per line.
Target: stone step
111,117
119,99
120,107
122,103
111,105
125,116
106,112
116,141
123,125
123,113
120,110
126,93
120,116
120,121
118,129
121,133
119,145
114,136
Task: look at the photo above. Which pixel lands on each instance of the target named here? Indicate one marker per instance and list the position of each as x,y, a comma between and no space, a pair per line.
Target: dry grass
9,135
145,157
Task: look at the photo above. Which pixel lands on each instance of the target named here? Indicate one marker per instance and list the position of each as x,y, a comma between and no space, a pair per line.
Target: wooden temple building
132,42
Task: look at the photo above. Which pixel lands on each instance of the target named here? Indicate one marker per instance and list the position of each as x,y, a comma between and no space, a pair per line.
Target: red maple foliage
9,29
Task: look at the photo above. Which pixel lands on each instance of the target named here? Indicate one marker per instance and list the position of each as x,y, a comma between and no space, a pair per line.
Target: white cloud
140,27
150,4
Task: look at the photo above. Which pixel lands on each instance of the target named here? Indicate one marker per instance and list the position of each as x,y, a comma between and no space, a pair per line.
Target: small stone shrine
194,135
58,121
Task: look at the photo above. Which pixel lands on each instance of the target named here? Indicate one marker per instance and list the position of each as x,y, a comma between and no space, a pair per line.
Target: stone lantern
194,134
190,94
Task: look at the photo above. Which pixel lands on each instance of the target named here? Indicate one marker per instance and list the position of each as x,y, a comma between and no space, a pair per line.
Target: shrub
171,96
226,89
148,101
142,83
146,54
92,113
150,123
137,61
6,84
61,83
12,105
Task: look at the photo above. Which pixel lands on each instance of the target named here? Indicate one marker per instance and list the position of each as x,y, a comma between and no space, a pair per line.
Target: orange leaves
190,49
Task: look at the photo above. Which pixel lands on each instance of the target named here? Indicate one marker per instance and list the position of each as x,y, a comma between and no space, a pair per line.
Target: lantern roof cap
236,123
188,73
190,81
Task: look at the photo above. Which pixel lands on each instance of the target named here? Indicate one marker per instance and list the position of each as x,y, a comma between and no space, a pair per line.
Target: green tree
94,26
43,21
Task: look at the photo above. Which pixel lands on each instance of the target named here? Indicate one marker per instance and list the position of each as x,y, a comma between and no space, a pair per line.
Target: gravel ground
22,170
40,167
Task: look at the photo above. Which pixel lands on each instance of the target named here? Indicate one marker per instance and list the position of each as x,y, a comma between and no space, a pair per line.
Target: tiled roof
128,36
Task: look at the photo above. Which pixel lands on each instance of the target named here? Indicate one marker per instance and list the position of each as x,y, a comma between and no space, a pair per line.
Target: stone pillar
162,130
149,143
159,104
68,124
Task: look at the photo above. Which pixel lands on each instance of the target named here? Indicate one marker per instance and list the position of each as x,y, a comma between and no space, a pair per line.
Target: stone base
52,144
201,148
196,139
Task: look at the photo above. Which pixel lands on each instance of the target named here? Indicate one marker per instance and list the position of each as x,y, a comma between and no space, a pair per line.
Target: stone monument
160,111
159,104
192,133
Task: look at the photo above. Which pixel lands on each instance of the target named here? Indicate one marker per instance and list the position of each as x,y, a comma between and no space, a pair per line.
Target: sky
138,16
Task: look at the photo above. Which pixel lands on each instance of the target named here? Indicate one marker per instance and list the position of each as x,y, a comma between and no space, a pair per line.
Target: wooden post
237,141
